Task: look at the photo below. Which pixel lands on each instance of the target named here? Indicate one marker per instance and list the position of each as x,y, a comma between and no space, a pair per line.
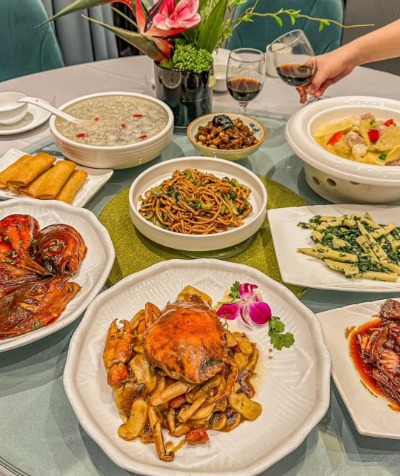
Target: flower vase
187,93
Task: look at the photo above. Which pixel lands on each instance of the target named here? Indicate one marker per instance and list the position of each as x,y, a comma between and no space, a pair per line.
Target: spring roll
31,170
55,180
31,190
72,185
13,170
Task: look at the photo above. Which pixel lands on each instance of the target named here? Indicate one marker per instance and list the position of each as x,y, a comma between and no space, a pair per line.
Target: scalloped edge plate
293,385
93,271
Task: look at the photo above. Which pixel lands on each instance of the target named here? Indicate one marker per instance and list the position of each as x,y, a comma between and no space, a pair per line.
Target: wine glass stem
243,107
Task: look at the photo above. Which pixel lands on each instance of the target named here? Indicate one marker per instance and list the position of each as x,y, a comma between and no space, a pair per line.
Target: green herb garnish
234,291
279,339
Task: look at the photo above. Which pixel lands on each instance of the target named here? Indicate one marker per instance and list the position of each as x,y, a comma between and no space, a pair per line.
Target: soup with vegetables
113,120
362,138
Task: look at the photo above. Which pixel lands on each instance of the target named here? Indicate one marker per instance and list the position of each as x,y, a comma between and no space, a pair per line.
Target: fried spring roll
13,170
55,180
71,186
31,170
31,190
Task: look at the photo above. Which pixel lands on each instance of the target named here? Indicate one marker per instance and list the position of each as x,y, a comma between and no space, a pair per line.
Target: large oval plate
292,385
93,271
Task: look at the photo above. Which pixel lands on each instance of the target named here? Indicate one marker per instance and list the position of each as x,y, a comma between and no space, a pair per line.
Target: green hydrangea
188,58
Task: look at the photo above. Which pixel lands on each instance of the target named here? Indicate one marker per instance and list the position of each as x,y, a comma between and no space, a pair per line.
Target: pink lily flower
250,308
181,15
147,25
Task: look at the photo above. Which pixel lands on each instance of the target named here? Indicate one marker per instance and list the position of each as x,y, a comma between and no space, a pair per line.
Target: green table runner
134,252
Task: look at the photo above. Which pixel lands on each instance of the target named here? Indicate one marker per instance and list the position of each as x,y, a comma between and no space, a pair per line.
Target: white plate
371,415
94,268
95,180
34,118
303,270
292,384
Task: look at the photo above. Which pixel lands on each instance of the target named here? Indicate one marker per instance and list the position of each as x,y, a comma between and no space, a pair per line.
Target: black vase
185,92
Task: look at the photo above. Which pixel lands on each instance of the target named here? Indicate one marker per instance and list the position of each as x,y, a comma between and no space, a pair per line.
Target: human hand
330,68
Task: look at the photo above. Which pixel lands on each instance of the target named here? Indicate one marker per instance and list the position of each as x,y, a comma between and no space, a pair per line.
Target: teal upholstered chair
25,47
263,30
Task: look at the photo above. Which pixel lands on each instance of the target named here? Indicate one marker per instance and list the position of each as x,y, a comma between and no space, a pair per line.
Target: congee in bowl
113,120
118,129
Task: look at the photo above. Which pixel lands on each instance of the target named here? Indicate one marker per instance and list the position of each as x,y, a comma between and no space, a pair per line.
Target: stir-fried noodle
194,202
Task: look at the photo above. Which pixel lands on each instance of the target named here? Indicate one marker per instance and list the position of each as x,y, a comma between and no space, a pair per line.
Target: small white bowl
199,243
12,111
114,157
337,179
258,128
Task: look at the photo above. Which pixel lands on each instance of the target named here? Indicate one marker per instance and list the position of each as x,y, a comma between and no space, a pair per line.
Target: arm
378,45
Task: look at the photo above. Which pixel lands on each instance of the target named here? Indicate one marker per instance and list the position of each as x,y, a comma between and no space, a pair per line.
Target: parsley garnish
234,291
278,338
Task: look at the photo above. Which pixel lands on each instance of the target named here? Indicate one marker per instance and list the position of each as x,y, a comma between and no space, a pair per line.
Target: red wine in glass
245,75
294,59
244,89
295,74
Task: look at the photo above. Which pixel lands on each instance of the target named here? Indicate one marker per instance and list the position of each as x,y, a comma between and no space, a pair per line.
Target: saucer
34,118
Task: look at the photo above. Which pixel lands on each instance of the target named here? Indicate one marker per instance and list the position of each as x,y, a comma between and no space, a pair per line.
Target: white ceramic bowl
258,127
12,111
337,179
199,243
114,157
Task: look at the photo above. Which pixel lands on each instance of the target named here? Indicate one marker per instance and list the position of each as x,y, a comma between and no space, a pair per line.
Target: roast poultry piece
60,249
13,277
35,266
178,369
35,305
380,349
17,234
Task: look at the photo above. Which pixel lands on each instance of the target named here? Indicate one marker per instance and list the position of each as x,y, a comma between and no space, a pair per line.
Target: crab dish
179,371
35,268
375,350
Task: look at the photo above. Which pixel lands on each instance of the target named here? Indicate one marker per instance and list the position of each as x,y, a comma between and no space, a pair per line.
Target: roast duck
36,266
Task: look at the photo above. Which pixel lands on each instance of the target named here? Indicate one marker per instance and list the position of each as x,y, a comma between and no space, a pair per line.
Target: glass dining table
40,434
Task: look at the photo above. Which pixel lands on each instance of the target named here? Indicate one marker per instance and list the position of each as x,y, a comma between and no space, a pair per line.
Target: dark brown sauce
364,369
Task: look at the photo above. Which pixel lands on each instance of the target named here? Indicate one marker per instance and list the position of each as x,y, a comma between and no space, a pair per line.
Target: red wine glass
294,58
245,75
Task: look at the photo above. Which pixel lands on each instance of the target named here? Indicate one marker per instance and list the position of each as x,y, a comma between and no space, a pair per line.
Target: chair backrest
379,13
263,30
25,47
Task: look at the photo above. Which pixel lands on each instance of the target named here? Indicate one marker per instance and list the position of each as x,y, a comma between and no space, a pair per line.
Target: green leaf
141,42
277,338
125,17
321,27
234,291
276,341
210,32
276,325
76,6
278,20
